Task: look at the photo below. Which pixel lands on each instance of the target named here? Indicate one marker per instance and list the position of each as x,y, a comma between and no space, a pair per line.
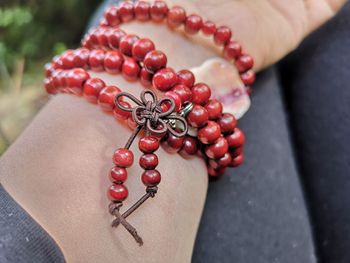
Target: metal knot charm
148,113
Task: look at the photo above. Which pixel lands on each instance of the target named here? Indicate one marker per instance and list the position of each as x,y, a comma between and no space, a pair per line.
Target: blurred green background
31,33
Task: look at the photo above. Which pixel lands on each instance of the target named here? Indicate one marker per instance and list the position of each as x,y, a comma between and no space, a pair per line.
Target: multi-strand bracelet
186,119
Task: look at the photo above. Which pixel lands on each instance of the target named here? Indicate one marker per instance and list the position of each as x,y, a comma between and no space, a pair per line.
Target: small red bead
126,44
107,96
164,79
118,174
96,60
200,93
222,35
120,114
148,144
76,79
111,16
236,151
193,24
232,50
237,161
126,11
146,78
67,59
149,161
176,16
130,69
151,177
81,57
214,173
118,192
214,108
248,77
244,63
141,10
158,11
186,78
176,98
236,139
173,143
141,47
217,149
227,123
102,36
123,157
154,60
209,133
224,161
50,89
183,92
92,88
189,146
114,38
198,116
113,62
208,28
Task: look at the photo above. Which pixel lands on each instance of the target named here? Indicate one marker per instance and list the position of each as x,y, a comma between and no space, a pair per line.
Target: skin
57,169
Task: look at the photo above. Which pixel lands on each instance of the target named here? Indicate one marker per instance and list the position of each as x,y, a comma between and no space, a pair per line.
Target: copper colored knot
149,114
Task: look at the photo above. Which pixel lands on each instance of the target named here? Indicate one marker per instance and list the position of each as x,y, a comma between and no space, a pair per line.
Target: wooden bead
118,174
123,157
149,161
148,144
151,177
209,133
118,192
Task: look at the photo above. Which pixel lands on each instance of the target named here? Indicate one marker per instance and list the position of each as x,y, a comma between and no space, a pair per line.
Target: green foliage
36,29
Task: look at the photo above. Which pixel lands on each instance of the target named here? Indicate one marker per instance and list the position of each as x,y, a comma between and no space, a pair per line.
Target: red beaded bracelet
217,137
175,17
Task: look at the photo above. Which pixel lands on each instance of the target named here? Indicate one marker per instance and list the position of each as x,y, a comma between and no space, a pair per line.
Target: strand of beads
192,24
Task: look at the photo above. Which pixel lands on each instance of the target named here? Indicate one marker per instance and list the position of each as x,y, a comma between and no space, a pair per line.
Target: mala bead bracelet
186,120
175,17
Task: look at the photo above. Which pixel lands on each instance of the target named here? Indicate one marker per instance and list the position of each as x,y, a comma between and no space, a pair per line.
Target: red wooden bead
222,35
244,63
232,50
118,174
164,79
50,89
141,47
236,139
141,10
209,133
224,161
237,161
236,151
186,78
123,157
189,146
120,114
130,69
200,93
208,28
173,143
113,62
217,149
193,24
151,177
118,192
92,88
102,36
149,161
81,57
183,92
176,98
107,96
154,60
176,16
227,123
158,10
214,173
126,11
126,44
214,108
111,16
248,77
96,60
115,37
148,144
146,77
76,79
67,59
198,116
